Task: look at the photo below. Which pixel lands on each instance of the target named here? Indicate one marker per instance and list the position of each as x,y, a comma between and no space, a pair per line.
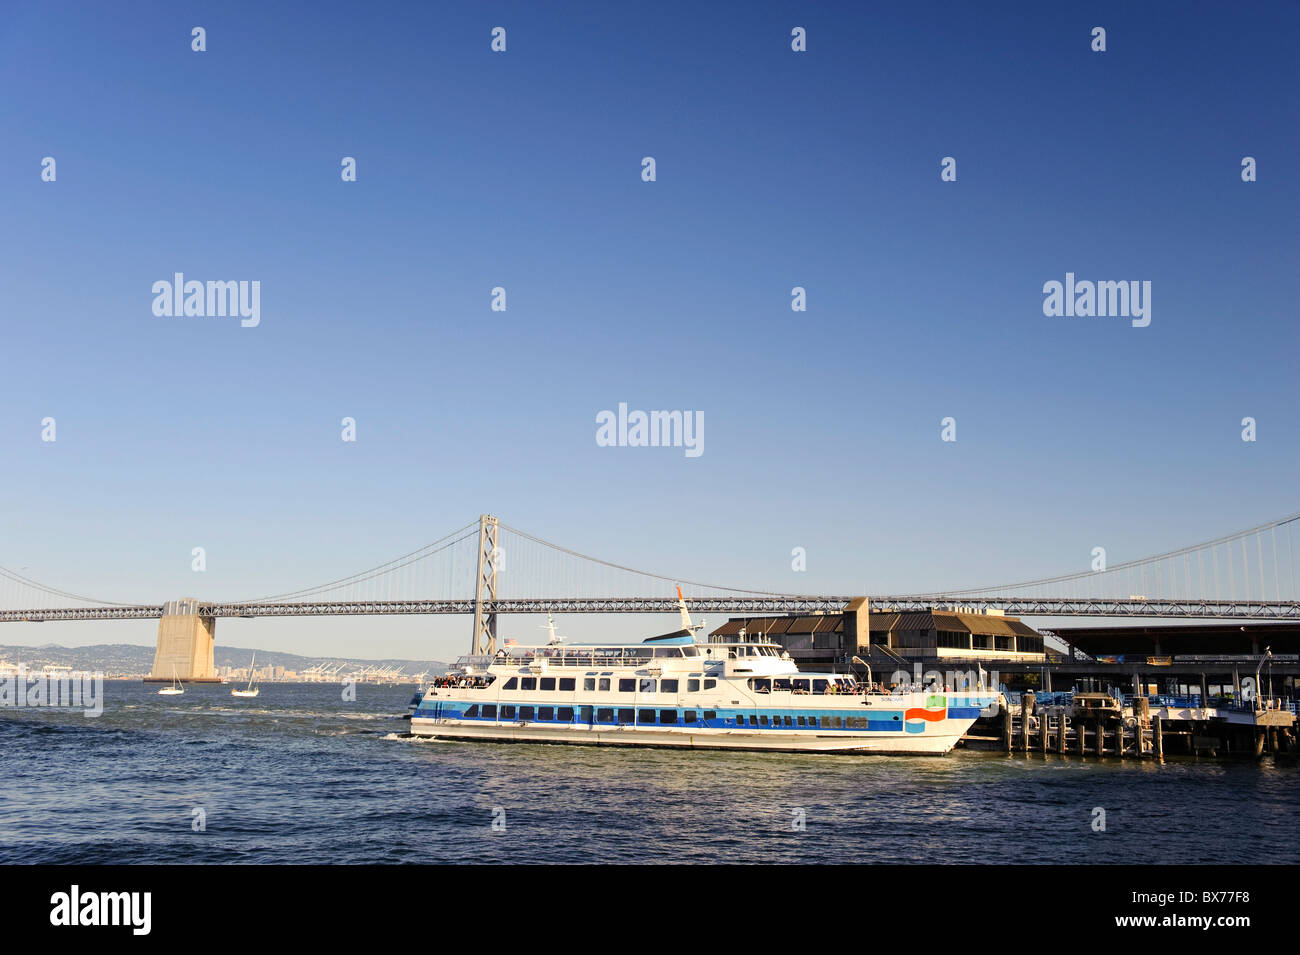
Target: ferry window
812,721
802,686
604,684
667,716
781,685
647,685
604,715
710,714
692,686
819,686
857,723
511,684
625,686
586,713
803,721
787,721
688,716
489,711
761,686
546,713
526,713
567,683
507,712
472,711
691,651
565,714
627,715
740,720
763,720
528,683
668,686
548,683
589,683
710,684
836,722
646,716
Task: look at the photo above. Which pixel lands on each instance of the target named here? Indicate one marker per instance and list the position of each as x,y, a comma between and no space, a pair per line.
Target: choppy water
299,775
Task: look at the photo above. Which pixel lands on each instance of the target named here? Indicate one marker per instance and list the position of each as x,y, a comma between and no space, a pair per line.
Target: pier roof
951,621
1199,638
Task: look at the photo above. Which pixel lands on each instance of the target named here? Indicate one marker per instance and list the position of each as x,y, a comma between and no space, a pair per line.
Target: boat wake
411,738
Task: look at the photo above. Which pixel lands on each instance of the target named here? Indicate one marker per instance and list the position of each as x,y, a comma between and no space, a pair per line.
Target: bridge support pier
185,644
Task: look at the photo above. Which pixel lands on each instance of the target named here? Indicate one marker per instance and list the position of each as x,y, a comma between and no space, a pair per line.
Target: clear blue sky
522,169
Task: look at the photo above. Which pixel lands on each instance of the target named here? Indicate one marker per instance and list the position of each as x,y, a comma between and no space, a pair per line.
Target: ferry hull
936,741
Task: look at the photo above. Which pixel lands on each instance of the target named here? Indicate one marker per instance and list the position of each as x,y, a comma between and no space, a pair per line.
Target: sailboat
251,690
175,689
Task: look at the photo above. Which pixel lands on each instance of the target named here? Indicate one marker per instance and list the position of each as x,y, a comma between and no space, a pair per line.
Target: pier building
886,638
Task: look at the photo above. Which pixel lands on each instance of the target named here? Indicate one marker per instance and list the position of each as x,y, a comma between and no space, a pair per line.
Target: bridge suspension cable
663,578
18,590
1171,575
385,571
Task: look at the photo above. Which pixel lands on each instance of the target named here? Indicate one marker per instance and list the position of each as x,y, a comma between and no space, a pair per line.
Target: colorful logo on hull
934,711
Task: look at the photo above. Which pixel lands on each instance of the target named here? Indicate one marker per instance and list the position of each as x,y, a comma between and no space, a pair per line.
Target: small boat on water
673,691
175,689
250,690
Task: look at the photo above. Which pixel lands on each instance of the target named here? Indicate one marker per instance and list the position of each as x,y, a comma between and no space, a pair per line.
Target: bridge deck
1018,606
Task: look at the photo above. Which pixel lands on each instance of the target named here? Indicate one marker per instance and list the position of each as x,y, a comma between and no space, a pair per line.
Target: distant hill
127,658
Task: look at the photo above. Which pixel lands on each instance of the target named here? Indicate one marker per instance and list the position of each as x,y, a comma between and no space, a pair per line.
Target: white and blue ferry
673,691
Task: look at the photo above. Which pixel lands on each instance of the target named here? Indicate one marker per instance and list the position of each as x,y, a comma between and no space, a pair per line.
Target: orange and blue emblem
934,711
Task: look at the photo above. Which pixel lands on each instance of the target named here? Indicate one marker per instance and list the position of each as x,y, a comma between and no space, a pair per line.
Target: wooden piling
1160,740
1006,727
1142,713
1101,737
1060,733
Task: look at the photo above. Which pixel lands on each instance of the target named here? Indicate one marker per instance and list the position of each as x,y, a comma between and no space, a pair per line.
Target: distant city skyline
776,173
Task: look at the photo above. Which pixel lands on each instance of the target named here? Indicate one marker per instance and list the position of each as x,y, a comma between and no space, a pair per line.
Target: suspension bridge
487,568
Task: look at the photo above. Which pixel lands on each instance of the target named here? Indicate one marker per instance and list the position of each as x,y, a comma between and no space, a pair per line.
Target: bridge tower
485,624
185,645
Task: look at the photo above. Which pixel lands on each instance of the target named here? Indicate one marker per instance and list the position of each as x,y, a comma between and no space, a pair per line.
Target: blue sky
522,170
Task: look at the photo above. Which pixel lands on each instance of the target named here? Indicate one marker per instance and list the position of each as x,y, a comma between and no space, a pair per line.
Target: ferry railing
593,661
1178,702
